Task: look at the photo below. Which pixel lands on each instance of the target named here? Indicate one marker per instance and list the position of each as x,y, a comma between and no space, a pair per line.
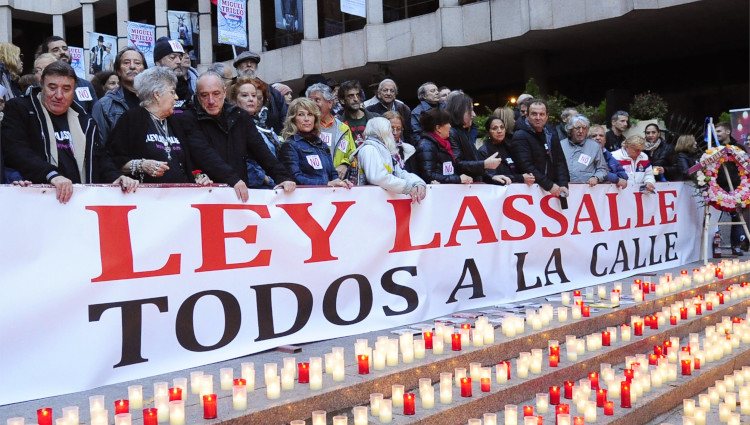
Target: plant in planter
646,108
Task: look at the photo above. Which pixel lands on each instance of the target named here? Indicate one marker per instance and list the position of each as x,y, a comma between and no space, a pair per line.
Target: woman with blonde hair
636,163
303,153
686,155
11,66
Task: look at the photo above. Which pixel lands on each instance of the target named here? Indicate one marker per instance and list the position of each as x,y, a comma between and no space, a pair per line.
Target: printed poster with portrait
231,19
142,37
76,61
289,15
183,27
102,51
740,119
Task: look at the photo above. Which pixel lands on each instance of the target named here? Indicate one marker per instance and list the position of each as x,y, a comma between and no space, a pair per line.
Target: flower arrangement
706,178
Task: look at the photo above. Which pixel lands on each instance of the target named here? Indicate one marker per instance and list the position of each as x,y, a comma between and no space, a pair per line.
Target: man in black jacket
85,94
231,131
49,138
537,150
737,237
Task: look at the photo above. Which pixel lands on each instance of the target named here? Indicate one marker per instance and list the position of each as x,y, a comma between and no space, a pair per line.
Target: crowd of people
169,124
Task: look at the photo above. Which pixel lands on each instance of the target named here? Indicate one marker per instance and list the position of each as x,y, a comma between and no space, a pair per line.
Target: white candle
239,397
177,412
226,378
195,382
287,379
563,419
360,415
180,383
397,394
427,397
273,388
688,407
511,414
446,392
96,403
489,334
15,421
474,371
100,417
477,337
437,345
542,403
207,387
271,370
459,373
319,417
297,422
124,419
379,359
489,419
338,371
391,356
562,314
734,419
625,333
575,312
700,416
248,374
419,349
565,298
408,355
161,403
316,378
375,400
340,420
501,373
386,411
70,414
590,412
724,412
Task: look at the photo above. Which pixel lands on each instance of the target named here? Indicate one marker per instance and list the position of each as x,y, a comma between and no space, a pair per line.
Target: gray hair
158,79
218,67
211,73
387,80
321,88
379,128
577,119
619,114
566,113
422,90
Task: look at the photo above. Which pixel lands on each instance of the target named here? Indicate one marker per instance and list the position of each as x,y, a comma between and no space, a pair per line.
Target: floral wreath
711,166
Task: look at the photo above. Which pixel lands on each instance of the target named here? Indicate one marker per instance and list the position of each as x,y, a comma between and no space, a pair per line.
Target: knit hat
165,47
282,88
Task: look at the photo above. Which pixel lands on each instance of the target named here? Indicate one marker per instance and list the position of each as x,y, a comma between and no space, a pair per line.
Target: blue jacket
616,172
108,110
310,163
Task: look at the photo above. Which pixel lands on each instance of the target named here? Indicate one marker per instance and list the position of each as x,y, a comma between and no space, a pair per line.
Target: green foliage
646,106
555,105
725,117
532,88
479,121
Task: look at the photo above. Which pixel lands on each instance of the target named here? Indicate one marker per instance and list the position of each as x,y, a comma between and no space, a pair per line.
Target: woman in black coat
686,155
496,144
436,161
659,153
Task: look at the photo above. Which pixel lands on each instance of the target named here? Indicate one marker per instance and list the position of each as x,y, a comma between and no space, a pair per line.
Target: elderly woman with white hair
152,145
636,163
379,165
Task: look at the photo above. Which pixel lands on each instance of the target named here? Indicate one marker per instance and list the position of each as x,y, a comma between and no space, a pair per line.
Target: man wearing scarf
49,138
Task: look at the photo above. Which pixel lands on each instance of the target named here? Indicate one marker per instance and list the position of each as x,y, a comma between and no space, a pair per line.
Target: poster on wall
232,22
142,37
76,61
289,15
354,7
181,27
740,119
102,51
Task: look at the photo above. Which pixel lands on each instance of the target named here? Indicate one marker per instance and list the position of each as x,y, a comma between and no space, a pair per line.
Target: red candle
507,367
585,311
647,320
698,309
646,288
686,348
594,379
601,397
554,395
44,416
466,326
528,411
554,349
609,408
672,320
363,361
562,409
122,406
629,373
456,342
657,350
485,384
568,385
239,381
654,322
578,420
625,394
540,420
209,406
577,293
554,359
721,298
175,394
653,359
709,305
719,273
638,328
427,336
685,367
465,387
303,373
606,338
409,404
683,313
150,417
697,363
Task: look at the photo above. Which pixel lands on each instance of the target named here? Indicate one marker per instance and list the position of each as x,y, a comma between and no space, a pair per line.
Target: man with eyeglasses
386,101
85,94
586,163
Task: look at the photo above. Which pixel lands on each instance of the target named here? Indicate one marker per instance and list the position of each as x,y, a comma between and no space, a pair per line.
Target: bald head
211,92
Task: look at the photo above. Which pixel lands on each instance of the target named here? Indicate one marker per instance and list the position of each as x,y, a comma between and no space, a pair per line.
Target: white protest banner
76,61
143,37
113,287
231,19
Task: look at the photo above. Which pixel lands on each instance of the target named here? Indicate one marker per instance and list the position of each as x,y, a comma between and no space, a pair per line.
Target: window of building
396,10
